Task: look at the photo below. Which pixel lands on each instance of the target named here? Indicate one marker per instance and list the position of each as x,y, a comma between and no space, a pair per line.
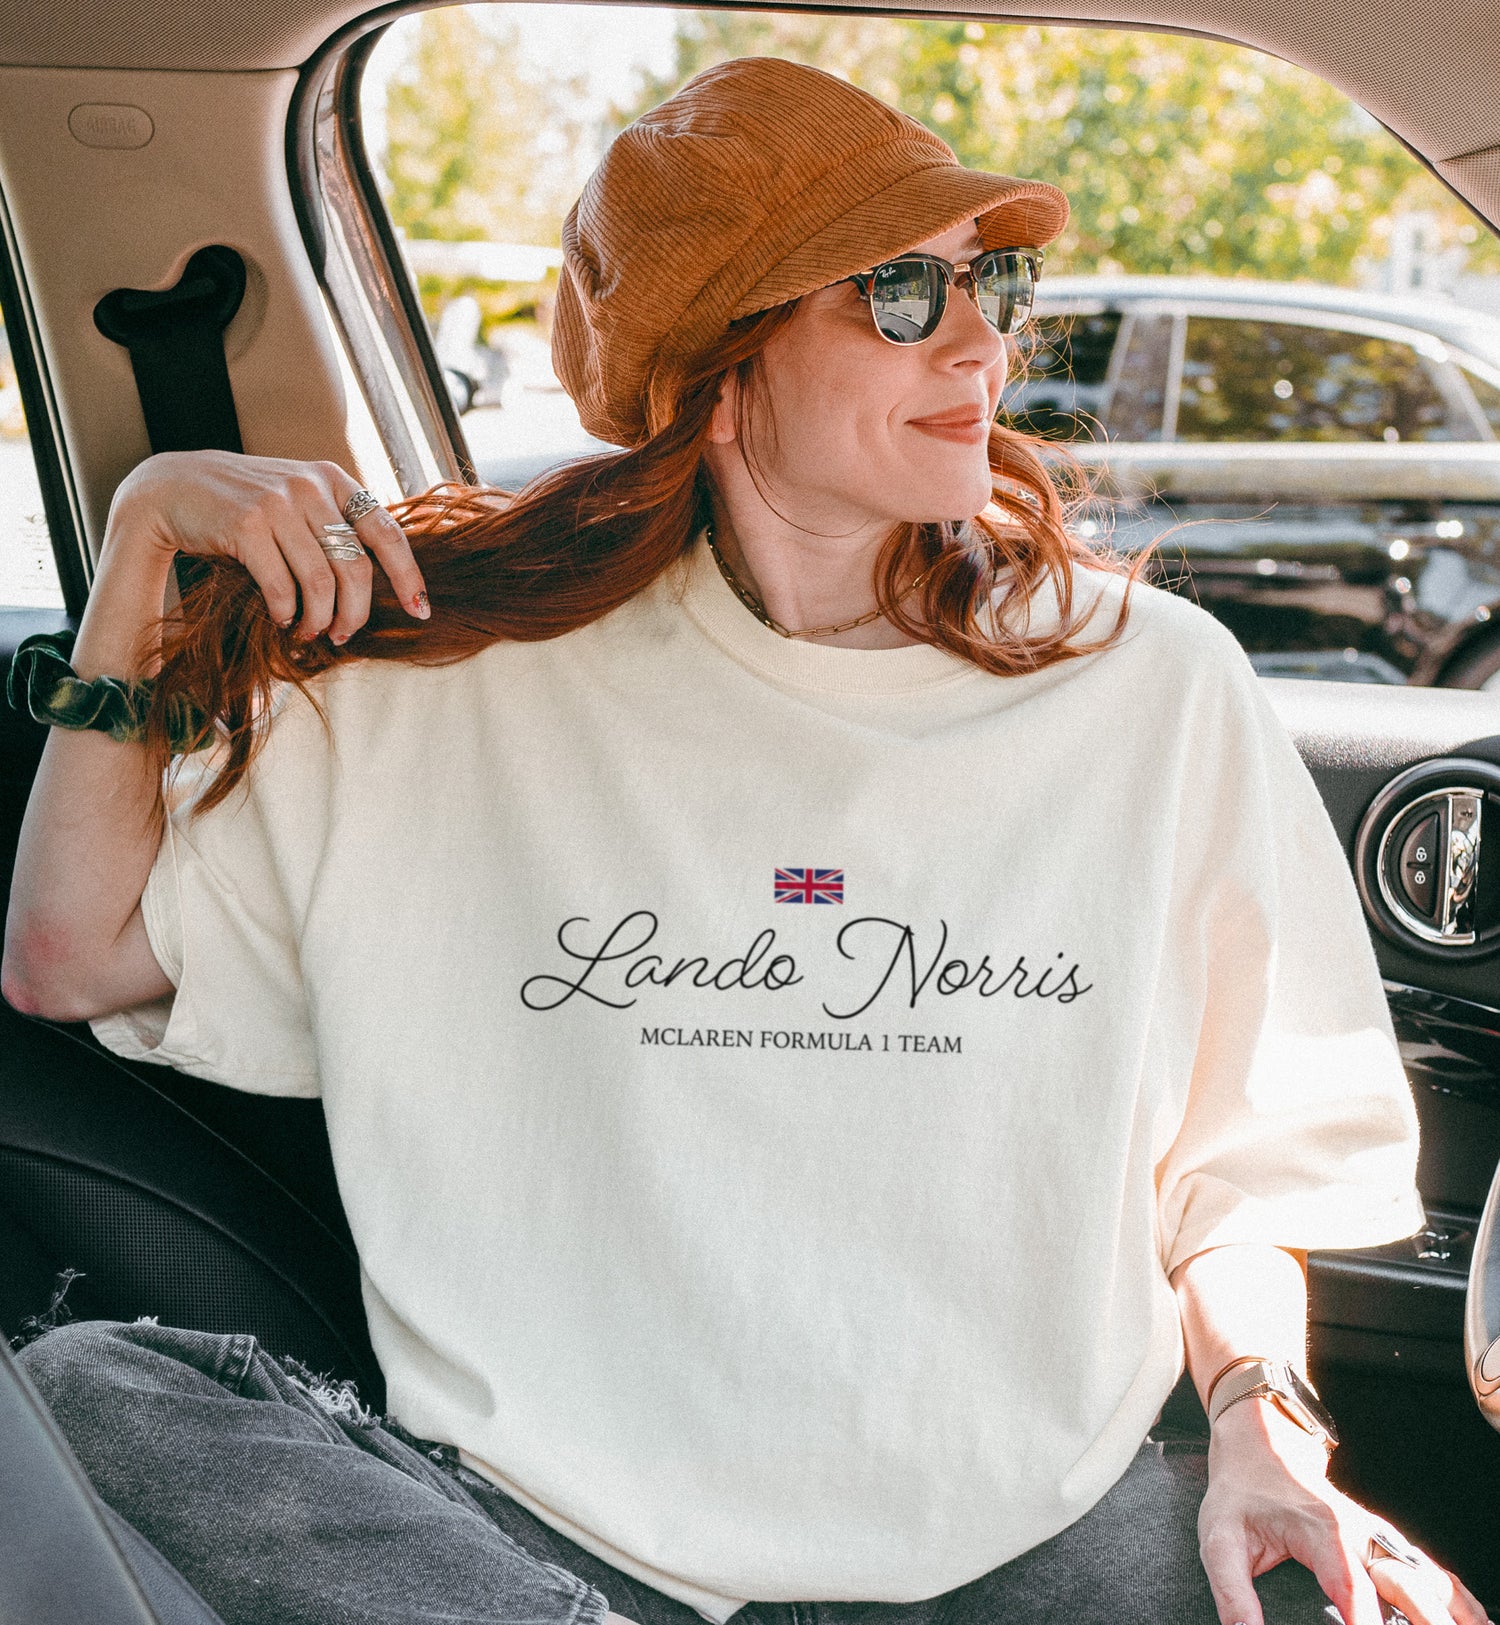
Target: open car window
1253,320
28,569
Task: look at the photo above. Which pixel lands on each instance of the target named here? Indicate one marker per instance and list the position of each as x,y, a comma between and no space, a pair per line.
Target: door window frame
61,509
353,252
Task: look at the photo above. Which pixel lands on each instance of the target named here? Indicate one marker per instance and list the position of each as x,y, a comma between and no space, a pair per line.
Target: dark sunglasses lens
907,298
1005,285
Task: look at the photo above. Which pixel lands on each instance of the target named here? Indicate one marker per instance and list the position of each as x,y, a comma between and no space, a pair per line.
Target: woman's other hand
268,513
1269,1499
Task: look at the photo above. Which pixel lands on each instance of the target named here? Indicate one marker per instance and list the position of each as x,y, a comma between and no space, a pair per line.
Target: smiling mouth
954,425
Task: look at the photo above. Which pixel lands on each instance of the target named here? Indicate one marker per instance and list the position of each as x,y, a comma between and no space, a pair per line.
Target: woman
784,1165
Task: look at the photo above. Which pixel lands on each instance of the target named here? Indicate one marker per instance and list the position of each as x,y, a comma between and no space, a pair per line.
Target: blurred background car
1322,464
476,372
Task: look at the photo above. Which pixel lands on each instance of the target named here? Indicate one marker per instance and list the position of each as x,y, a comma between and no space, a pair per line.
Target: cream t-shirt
769,1083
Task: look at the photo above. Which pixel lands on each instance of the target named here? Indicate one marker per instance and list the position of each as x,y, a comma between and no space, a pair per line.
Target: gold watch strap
1266,1379
1249,1381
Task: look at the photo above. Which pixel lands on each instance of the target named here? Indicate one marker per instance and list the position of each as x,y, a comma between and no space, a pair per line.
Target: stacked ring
1384,1545
360,504
340,542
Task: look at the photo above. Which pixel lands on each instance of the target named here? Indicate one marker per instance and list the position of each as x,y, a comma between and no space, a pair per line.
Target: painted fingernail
421,606
338,637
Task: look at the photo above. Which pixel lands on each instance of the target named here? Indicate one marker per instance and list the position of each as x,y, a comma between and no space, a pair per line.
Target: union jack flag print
809,885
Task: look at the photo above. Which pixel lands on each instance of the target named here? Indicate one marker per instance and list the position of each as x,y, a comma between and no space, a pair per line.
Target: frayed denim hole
337,1397
56,1314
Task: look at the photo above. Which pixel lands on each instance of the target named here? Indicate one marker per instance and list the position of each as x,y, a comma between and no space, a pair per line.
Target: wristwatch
1276,1380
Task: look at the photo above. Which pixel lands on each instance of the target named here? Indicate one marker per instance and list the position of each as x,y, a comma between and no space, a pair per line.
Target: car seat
69,1556
169,1199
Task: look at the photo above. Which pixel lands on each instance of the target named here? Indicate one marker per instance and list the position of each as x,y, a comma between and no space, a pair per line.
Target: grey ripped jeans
286,1503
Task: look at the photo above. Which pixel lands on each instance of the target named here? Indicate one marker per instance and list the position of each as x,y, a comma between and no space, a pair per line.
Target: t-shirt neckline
711,603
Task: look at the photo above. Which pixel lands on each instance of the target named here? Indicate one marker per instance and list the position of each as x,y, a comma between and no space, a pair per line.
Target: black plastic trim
1398,1308
1452,1044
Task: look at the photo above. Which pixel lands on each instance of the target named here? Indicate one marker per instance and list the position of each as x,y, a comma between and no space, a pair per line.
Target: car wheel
1481,669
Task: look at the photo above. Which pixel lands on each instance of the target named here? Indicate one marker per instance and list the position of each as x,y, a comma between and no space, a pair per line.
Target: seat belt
175,337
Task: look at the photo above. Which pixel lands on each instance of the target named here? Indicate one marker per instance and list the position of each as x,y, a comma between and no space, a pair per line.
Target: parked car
1324,464
476,372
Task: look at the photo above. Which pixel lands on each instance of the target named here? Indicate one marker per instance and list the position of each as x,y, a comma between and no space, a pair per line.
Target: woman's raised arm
75,941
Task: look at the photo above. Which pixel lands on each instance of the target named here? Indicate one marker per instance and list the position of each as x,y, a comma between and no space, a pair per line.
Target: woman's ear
721,426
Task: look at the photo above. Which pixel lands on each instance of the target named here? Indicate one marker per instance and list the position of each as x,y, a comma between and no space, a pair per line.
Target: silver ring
361,503
340,542
1383,1545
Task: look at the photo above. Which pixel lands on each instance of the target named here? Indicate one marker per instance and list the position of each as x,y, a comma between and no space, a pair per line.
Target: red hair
585,538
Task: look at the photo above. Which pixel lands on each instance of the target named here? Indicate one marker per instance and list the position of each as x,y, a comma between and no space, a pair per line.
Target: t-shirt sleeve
223,922
1298,1128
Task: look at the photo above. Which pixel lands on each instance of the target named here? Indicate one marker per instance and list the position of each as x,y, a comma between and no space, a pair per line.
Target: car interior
196,255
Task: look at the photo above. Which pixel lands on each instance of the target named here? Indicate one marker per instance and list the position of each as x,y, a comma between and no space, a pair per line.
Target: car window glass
1063,369
28,572
1486,395
1138,394
1262,380
1077,347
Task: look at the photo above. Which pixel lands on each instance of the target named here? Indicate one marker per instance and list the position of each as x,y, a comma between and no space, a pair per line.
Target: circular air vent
1420,859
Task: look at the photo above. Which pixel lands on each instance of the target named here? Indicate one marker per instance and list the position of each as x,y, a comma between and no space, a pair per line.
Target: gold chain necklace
758,609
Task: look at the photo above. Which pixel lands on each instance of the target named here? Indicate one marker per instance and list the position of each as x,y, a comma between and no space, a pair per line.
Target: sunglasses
908,295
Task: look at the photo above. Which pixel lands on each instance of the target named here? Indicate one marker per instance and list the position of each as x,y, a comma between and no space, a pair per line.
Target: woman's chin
958,501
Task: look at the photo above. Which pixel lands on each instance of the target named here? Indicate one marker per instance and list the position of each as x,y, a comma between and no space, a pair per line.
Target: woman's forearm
1241,1301
75,945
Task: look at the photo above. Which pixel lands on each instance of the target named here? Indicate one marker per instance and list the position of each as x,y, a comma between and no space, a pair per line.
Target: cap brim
1011,213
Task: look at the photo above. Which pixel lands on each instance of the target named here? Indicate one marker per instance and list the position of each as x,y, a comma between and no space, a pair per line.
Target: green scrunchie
42,682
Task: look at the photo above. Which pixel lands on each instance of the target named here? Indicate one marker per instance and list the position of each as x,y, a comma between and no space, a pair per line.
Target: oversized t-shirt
769,1083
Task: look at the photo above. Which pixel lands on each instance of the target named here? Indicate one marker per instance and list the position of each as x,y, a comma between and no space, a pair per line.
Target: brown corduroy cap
759,181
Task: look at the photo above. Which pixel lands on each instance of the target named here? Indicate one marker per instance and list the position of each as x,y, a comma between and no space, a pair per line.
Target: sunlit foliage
474,150
1178,155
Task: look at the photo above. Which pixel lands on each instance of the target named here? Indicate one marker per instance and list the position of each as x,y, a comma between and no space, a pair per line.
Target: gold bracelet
1241,1359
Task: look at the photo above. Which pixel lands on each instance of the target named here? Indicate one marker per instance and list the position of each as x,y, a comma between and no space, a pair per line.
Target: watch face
1303,1397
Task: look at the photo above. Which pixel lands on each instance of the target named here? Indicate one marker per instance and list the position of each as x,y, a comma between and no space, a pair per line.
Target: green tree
475,150
1178,155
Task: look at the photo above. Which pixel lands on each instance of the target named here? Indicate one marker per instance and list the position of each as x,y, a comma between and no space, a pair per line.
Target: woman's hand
1269,1498
268,513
